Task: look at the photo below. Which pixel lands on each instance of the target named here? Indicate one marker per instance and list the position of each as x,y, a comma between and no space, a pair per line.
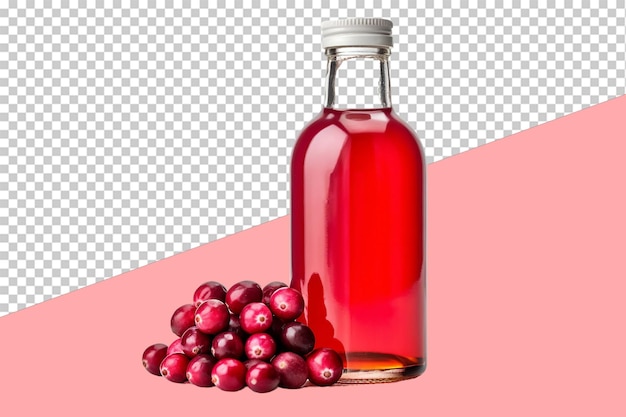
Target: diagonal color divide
526,286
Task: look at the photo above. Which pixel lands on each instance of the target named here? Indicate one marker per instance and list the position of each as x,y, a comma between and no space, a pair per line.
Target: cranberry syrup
357,218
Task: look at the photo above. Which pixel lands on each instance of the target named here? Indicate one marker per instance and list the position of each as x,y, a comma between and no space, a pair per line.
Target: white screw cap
358,31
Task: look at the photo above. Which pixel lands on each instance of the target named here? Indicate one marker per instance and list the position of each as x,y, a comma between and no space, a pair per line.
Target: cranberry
175,347
260,346
229,374
276,331
325,366
255,318
212,317
199,370
194,342
269,289
277,328
182,319
227,345
291,368
250,362
234,325
153,356
242,294
297,337
262,377
210,290
174,367
287,303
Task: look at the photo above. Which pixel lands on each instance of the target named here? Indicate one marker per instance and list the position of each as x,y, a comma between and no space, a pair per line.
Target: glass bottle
358,217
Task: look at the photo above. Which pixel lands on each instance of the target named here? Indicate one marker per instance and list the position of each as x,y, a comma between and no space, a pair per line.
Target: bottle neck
357,77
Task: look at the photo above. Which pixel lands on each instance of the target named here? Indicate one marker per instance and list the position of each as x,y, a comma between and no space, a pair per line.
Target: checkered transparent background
134,130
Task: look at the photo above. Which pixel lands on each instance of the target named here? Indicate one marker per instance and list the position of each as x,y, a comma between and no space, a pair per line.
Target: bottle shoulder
346,134
357,124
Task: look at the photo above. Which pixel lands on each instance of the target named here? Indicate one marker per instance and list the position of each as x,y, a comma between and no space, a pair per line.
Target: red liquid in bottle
357,216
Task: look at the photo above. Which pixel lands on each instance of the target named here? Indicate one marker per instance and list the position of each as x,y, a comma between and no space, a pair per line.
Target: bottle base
375,368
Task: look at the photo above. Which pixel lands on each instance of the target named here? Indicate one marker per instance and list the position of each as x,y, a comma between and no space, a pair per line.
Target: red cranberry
242,294
287,303
291,368
325,366
182,319
297,337
255,318
227,345
250,362
262,377
175,347
193,342
260,346
234,325
277,328
212,317
269,289
174,367
153,356
229,374
275,331
210,290
199,370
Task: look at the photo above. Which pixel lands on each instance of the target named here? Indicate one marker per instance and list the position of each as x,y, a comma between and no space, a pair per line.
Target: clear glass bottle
358,218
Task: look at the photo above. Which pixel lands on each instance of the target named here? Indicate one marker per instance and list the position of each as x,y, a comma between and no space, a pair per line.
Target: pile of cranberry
243,336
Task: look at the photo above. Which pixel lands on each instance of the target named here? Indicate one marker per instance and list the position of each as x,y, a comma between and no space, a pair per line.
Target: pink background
526,289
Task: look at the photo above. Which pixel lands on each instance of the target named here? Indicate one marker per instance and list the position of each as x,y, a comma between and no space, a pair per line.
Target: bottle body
358,240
